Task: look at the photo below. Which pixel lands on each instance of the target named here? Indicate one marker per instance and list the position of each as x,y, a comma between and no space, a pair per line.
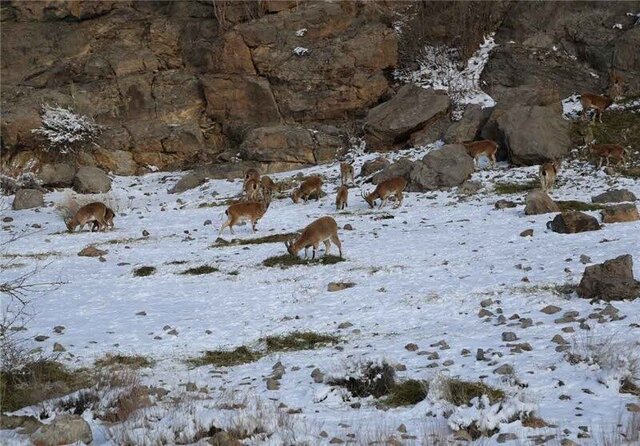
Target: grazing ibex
597,102
607,151
251,189
92,212
486,147
548,173
267,186
310,186
346,173
248,210
323,230
384,190
341,197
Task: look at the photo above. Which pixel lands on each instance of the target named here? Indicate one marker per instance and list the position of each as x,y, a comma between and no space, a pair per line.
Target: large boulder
290,144
64,429
534,134
411,109
571,222
539,202
467,128
57,175
448,166
372,166
91,180
188,181
618,213
614,196
27,199
611,280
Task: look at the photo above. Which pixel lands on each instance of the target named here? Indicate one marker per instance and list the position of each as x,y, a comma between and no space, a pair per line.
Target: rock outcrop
614,196
27,199
611,280
91,180
571,222
539,202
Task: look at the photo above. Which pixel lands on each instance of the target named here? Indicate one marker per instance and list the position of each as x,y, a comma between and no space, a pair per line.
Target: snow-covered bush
65,130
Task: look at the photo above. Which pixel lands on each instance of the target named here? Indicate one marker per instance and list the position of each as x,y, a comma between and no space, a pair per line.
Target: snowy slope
420,277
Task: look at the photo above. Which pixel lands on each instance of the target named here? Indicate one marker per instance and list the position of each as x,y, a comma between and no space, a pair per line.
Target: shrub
66,131
407,393
199,270
226,358
144,271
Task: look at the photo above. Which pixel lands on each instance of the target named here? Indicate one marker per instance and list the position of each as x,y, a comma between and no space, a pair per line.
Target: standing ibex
384,190
251,189
90,213
310,186
346,173
341,197
323,230
248,210
486,147
597,102
607,151
548,173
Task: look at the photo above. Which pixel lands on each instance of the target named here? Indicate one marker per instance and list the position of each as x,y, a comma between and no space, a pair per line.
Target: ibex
607,151
596,102
486,147
323,230
267,186
346,173
384,190
92,212
108,219
310,186
251,189
251,174
341,197
248,210
548,173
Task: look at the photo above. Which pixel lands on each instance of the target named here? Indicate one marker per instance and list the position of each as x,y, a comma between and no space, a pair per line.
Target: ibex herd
258,190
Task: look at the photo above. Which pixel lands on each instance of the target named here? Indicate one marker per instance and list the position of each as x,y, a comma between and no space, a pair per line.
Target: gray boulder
401,168
614,196
534,134
91,180
188,181
448,166
57,175
64,429
468,127
373,166
572,222
611,280
28,199
411,109
539,202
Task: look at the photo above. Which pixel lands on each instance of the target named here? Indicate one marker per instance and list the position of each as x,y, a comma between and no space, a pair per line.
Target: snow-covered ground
420,276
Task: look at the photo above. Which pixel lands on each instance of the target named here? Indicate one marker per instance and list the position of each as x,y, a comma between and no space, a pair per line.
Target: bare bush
66,131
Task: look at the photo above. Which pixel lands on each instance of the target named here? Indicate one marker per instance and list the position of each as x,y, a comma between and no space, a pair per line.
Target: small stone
509,336
585,259
336,440
91,251
339,286
504,369
355,405
58,329
57,347
484,313
411,347
527,233
486,303
173,332
508,436
347,227
551,309
141,313
633,407
402,428
567,442
465,352
448,363
568,330
7,219
41,338
207,222
557,339
400,367
272,384
323,434
480,355
526,323
344,325
191,387
504,204
317,375
145,233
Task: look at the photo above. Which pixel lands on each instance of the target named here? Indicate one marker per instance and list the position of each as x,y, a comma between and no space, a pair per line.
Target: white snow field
420,272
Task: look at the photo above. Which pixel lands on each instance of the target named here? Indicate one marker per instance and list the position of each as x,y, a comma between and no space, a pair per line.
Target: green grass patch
298,340
287,260
226,358
515,188
199,270
574,205
38,381
144,271
461,393
130,361
407,393
274,238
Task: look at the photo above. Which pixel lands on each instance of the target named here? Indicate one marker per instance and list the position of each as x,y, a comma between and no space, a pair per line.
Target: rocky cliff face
175,83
